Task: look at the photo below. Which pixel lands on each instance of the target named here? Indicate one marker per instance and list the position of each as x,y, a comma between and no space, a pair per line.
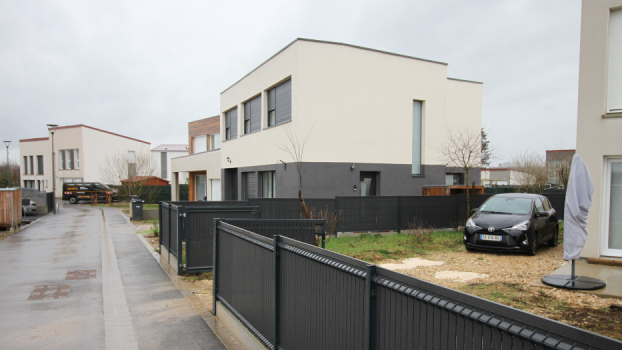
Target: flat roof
35,139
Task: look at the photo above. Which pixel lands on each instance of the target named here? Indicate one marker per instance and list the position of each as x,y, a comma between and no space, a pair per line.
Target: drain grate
49,292
80,275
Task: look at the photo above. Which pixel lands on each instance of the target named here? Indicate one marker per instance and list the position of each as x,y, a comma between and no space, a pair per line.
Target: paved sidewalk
118,299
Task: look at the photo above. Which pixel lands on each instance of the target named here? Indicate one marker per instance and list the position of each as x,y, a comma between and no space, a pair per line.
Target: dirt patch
508,281
410,264
458,276
201,286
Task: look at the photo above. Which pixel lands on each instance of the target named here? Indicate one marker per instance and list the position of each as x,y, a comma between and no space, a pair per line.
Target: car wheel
533,246
73,200
555,239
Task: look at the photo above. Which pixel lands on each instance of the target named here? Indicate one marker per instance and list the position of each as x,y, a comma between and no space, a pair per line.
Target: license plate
490,238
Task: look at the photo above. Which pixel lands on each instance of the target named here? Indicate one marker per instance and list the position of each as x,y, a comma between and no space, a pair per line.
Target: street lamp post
8,167
52,128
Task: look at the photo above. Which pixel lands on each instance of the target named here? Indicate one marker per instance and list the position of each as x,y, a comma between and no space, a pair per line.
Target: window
77,158
231,124
268,184
29,183
163,165
61,155
69,159
613,199
252,115
249,181
539,205
453,179
32,166
280,104
40,165
25,165
214,141
199,144
614,90
416,156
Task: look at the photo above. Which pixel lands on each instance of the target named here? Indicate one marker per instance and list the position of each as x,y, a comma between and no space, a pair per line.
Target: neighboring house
374,120
164,154
145,181
558,164
599,123
80,152
492,177
202,163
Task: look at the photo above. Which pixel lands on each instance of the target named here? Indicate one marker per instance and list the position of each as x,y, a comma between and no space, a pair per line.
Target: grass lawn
380,247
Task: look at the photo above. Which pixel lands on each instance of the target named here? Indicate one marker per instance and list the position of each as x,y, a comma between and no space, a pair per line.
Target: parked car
28,207
77,191
512,222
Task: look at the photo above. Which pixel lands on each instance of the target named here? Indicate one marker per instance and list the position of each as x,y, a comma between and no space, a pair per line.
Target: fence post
337,213
181,212
160,229
370,308
324,234
168,255
399,214
215,268
277,287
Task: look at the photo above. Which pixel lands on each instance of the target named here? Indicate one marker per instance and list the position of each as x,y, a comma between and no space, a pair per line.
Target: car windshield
507,205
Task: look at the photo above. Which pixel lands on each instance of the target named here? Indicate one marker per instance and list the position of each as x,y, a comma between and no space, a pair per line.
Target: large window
40,165
69,159
268,184
231,124
214,141
199,144
280,104
252,115
417,137
614,95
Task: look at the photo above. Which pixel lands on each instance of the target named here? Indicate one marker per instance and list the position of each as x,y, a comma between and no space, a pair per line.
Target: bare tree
462,148
559,171
11,169
137,167
295,147
529,171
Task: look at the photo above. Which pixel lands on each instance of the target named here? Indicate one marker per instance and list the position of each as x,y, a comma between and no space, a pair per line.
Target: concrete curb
219,328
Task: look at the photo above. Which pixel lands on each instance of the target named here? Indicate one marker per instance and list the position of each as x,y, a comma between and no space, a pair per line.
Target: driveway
83,279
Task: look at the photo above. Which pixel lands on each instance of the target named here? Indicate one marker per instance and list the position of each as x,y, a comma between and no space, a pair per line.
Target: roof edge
333,43
100,130
35,139
466,81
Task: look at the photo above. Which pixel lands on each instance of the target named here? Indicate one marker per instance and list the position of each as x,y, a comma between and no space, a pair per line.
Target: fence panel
244,278
199,233
165,234
289,208
367,213
301,230
208,204
433,211
174,232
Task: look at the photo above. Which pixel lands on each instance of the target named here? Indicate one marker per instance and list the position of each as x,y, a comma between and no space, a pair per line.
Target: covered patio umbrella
578,202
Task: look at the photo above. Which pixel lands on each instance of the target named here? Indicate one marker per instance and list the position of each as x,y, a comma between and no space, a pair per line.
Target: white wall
598,134
36,148
358,104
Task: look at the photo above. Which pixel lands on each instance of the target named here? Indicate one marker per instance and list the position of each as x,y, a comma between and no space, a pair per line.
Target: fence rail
292,295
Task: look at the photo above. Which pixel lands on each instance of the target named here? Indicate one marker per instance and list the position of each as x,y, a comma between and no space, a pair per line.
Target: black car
512,222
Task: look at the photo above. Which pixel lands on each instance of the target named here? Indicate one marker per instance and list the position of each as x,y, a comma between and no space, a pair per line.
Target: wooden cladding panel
449,190
204,126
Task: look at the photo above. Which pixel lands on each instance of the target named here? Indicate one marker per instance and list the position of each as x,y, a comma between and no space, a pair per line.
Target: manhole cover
49,292
80,275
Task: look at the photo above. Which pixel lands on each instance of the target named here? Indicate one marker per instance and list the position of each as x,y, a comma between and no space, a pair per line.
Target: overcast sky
144,69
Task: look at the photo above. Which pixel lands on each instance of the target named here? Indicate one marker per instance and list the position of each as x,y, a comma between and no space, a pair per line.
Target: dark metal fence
288,208
306,231
292,295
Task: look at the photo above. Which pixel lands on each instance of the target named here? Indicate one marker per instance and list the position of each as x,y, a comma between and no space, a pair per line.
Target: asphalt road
119,299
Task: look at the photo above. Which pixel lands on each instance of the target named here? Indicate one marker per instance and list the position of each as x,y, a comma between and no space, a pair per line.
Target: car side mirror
474,210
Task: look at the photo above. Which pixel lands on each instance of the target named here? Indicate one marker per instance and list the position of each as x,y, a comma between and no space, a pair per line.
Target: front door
200,185
613,208
215,189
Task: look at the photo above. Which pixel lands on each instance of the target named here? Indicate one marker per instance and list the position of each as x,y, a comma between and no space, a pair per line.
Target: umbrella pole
572,276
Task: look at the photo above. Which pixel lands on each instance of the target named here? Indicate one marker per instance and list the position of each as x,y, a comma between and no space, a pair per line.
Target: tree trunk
468,214
304,205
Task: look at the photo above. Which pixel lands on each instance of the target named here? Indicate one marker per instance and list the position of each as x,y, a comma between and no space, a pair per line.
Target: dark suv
512,222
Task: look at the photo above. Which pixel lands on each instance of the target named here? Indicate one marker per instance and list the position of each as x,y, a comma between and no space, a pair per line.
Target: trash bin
131,198
137,209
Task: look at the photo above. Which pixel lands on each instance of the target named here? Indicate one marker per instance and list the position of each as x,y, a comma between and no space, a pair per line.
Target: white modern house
374,120
164,155
492,177
599,123
80,153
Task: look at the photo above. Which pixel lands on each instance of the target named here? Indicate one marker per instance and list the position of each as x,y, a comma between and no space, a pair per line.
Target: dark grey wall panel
284,102
326,180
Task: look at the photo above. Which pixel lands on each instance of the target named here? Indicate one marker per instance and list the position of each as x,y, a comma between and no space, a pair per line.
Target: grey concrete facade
327,180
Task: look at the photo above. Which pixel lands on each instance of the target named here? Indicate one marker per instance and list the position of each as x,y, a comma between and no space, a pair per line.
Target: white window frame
213,144
614,53
605,209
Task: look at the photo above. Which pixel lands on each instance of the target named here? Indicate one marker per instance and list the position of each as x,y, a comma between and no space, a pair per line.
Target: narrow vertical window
70,159
40,165
268,184
280,104
61,155
614,93
77,158
252,115
231,124
416,166
25,165
32,166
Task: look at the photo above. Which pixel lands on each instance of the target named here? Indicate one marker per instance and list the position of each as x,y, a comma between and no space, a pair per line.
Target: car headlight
471,224
521,226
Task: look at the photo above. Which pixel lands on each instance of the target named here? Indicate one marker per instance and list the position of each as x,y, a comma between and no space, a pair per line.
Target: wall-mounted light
284,164
228,159
352,168
355,187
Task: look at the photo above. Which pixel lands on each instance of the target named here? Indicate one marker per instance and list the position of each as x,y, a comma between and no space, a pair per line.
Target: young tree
296,147
125,165
486,150
558,167
462,148
529,171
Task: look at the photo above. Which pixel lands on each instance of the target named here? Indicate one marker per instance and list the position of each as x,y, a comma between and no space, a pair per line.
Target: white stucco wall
356,103
598,135
36,148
